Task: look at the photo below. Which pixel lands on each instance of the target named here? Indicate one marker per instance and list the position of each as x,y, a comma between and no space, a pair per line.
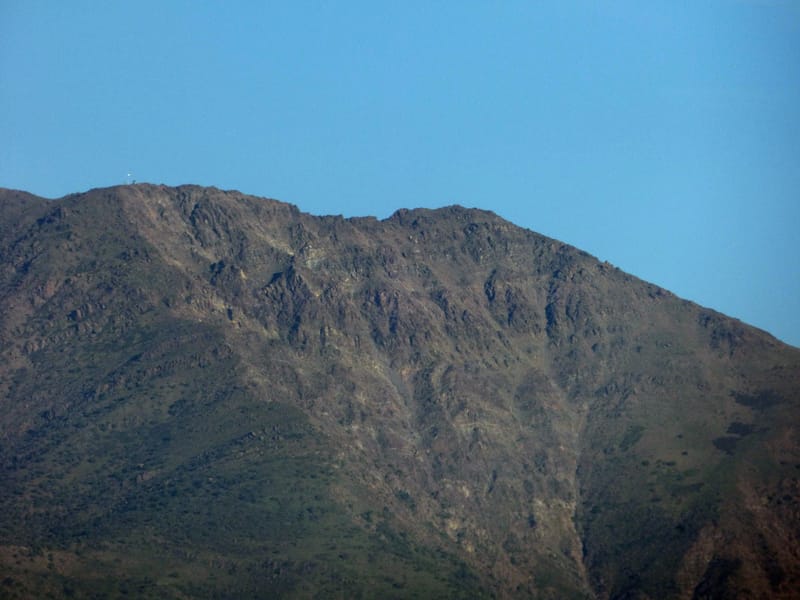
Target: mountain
207,394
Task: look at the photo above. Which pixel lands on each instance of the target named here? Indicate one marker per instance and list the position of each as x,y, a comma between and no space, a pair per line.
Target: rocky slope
206,394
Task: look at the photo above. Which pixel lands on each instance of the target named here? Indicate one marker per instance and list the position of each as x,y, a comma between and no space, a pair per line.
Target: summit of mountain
206,393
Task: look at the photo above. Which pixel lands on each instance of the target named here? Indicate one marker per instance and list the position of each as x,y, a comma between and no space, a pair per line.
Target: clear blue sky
662,136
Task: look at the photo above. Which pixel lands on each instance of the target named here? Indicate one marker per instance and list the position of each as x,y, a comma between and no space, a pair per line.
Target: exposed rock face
209,394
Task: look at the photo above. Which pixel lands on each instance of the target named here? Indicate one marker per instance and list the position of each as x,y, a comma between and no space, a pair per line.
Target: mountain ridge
465,390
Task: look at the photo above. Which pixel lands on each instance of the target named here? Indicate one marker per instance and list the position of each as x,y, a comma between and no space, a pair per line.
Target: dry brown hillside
207,394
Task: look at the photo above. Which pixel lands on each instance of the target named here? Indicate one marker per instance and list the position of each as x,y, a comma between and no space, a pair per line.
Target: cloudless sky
661,136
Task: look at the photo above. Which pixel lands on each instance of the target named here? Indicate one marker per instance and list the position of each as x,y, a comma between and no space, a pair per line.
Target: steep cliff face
208,393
